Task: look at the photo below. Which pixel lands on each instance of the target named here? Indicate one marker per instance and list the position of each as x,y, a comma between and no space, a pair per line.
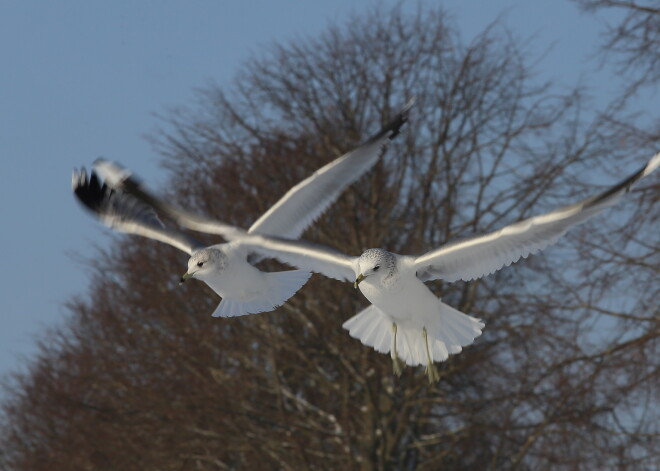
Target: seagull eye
199,264
377,267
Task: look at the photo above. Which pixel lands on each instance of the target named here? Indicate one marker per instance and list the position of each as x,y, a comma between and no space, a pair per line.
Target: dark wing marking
124,213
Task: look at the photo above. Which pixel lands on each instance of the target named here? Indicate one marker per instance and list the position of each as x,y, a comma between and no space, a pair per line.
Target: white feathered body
404,299
401,298
247,290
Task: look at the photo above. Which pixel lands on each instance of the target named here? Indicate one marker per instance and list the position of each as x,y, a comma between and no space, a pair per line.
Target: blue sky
83,79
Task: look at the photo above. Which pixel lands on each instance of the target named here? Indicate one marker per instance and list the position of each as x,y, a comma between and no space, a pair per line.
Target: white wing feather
481,255
305,255
306,201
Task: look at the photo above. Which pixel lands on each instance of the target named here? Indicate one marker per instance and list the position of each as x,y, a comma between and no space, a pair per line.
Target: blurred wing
305,255
124,213
121,178
306,201
481,255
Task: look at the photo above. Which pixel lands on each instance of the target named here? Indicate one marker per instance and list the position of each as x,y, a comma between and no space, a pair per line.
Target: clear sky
81,79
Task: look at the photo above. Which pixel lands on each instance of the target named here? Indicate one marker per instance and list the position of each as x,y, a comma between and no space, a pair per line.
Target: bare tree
632,45
635,40
564,376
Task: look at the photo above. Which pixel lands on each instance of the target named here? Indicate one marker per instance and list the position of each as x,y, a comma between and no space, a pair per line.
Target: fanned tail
280,286
372,328
448,331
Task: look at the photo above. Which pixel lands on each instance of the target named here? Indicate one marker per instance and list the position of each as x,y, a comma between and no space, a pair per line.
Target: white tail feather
371,318
280,286
448,331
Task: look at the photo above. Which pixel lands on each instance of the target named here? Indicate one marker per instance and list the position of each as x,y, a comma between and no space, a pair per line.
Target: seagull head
374,263
204,264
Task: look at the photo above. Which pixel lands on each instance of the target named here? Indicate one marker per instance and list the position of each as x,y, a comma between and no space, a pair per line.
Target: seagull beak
185,277
358,280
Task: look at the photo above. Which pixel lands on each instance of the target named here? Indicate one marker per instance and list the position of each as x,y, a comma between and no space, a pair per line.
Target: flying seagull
225,267
405,318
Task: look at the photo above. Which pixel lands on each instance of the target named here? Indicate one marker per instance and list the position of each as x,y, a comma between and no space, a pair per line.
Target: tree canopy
563,377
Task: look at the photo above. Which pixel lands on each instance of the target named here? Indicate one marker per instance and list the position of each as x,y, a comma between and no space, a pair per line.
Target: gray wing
124,213
306,201
305,255
481,255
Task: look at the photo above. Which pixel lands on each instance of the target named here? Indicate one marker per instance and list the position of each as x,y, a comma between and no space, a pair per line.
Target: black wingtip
89,190
393,128
626,185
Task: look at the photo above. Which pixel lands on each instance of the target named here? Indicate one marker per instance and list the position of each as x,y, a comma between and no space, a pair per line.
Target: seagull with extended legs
225,267
406,319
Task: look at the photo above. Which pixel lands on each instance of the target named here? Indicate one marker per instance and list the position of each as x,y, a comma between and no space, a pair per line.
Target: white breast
403,297
239,279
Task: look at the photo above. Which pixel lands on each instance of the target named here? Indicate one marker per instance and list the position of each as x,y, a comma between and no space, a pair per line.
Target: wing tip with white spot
652,165
111,172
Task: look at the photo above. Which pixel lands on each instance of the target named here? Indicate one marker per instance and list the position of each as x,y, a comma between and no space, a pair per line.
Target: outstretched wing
481,255
306,201
124,213
305,255
296,210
